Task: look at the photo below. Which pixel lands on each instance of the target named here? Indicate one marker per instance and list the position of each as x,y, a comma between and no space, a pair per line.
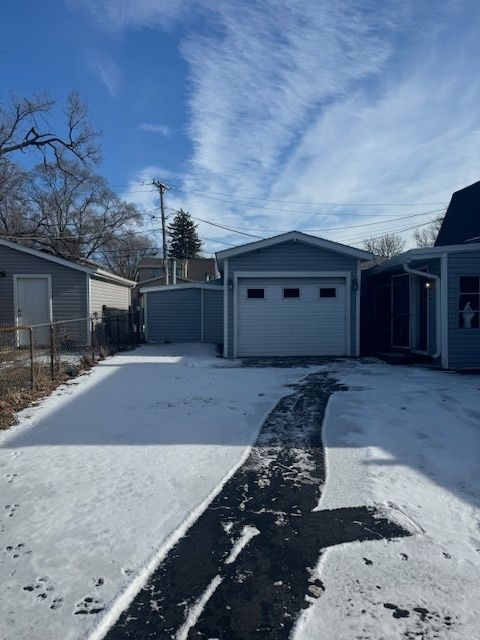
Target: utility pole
161,190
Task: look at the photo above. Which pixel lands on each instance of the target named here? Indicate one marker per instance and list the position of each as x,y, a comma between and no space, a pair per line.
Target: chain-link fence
34,359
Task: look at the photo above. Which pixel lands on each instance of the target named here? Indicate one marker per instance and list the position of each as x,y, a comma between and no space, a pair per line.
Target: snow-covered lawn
407,440
99,481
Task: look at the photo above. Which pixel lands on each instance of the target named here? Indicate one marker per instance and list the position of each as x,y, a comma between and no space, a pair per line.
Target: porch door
33,307
422,315
401,311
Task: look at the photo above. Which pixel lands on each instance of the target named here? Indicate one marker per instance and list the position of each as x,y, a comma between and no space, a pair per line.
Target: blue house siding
290,256
69,286
175,315
463,344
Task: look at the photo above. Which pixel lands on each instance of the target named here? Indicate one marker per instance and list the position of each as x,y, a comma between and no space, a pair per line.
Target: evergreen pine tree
183,237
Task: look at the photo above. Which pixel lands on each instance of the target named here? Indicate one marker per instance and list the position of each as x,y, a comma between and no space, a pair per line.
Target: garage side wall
185,315
290,256
212,316
113,296
69,286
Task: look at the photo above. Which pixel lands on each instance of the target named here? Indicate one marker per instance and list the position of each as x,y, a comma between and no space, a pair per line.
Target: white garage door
291,317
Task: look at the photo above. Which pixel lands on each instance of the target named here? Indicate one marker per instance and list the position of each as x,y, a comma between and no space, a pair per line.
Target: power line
208,194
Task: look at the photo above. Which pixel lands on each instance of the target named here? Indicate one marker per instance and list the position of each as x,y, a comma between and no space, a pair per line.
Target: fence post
52,370
92,334
32,370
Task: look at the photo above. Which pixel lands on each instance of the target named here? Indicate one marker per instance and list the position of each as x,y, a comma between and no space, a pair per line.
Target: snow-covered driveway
102,477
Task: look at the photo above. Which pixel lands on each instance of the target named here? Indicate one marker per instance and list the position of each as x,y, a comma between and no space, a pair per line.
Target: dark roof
462,220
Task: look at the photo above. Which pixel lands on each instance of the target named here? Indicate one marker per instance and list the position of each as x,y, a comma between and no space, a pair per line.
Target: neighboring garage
184,313
291,295
292,317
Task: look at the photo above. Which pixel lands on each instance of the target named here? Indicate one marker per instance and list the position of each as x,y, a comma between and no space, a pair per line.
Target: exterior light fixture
230,284
354,284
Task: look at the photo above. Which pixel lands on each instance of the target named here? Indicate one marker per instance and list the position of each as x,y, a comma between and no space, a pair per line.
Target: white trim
40,276
396,346
295,236
89,310
295,274
201,314
145,316
225,310
175,287
66,263
444,309
357,309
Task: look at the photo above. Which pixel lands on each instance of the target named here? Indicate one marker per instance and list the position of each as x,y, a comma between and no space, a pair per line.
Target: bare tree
387,245
426,236
75,211
15,207
24,127
123,253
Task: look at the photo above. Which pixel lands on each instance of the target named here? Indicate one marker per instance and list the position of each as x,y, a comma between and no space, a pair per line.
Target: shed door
291,317
33,306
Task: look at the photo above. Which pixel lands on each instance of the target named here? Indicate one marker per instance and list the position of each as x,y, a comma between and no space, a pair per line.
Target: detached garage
183,313
291,295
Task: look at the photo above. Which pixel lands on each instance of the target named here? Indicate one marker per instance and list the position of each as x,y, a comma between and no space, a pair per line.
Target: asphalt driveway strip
244,570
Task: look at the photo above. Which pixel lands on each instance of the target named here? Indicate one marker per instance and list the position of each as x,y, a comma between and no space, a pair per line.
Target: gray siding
112,295
212,316
69,286
463,344
291,256
176,315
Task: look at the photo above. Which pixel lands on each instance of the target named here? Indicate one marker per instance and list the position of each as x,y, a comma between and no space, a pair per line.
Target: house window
328,292
255,293
469,302
291,293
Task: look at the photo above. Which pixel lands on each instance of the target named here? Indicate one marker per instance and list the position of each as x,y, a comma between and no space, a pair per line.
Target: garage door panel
308,325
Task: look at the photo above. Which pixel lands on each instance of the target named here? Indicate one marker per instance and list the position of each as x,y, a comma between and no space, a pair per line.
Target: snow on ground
98,480
407,440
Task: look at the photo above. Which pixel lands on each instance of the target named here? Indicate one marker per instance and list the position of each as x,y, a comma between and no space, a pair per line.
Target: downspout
438,306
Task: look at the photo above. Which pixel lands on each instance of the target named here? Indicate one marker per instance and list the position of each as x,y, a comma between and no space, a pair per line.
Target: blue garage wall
175,315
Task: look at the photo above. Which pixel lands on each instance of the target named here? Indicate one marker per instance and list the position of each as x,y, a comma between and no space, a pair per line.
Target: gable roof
462,220
295,236
92,270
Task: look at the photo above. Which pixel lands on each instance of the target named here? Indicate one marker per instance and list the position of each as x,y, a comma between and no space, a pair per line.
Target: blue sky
261,114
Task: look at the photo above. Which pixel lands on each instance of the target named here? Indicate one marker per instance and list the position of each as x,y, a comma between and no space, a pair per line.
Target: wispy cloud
116,16
308,102
107,71
156,128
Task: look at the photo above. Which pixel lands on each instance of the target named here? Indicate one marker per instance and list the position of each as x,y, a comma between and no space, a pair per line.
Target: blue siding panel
175,315
463,344
213,316
291,256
